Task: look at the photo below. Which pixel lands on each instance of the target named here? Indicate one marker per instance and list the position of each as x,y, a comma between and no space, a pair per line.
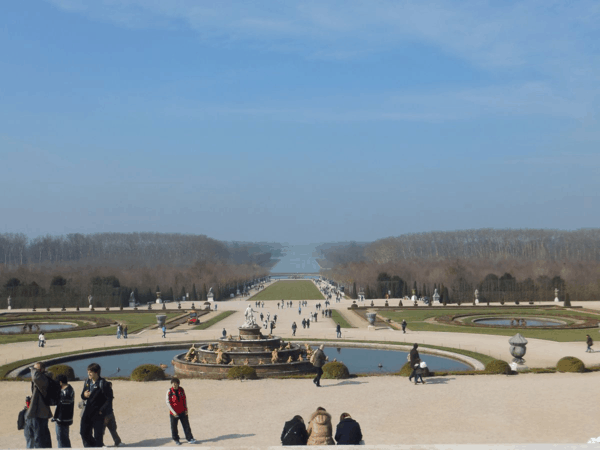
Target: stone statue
476,294
90,299
556,295
290,359
260,362
220,357
132,297
210,291
190,353
9,306
274,356
246,362
249,316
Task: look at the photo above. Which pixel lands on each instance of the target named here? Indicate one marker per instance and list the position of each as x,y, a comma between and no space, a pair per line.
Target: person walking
119,331
294,432
348,431
589,343
28,425
39,409
299,310
404,326
318,360
303,323
125,332
307,323
63,414
338,330
294,327
415,359
319,428
41,340
110,422
97,395
178,412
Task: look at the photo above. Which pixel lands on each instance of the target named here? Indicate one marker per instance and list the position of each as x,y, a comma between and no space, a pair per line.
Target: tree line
503,265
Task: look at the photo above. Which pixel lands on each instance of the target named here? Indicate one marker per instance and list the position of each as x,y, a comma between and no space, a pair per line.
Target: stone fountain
268,355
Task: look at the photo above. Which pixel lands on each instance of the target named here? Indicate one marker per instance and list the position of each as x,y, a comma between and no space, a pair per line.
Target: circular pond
537,322
358,360
18,327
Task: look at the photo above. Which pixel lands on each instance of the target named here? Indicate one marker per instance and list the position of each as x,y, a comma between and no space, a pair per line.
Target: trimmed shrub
335,370
405,370
147,372
497,366
570,364
62,369
242,373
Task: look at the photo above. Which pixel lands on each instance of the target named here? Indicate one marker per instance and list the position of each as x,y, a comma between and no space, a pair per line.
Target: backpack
52,397
312,357
21,419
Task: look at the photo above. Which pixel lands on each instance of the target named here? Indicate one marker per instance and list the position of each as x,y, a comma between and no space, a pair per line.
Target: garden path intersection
528,409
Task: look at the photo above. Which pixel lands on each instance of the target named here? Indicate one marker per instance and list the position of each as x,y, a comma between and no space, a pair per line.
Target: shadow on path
226,436
150,442
343,383
438,380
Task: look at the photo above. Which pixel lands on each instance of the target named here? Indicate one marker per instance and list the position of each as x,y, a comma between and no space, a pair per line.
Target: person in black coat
63,414
98,396
348,431
414,360
294,432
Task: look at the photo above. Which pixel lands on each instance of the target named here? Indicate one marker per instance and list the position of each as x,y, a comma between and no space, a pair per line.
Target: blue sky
298,121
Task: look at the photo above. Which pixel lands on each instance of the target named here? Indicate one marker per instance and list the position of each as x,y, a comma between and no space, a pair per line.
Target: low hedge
335,370
498,366
62,369
147,372
242,373
570,364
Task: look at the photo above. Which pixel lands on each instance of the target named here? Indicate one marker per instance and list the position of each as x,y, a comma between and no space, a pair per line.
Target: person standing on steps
414,360
318,360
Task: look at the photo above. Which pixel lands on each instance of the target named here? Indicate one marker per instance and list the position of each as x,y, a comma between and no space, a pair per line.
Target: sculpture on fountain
249,316
9,305
90,298
556,295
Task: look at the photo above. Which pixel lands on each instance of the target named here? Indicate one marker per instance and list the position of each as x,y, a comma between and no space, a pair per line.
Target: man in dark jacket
97,394
39,409
63,414
414,360
294,432
348,431
319,362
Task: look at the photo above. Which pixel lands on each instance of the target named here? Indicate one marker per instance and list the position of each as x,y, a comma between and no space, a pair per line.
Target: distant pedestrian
125,332
164,331
318,360
41,340
178,412
420,368
589,343
119,331
272,325
294,327
338,330
262,317
275,318
307,323
414,359
63,414
348,431
299,310
404,326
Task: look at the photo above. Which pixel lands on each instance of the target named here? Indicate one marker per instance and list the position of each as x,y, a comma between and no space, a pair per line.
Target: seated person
348,431
319,428
294,432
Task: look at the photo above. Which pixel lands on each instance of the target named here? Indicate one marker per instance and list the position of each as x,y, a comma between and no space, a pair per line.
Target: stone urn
371,318
160,319
518,348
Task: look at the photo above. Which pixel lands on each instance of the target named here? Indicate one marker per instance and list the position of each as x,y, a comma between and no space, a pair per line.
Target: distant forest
64,270
504,265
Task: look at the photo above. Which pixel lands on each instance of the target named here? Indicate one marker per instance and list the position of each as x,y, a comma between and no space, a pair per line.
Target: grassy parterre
135,321
290,290
416,319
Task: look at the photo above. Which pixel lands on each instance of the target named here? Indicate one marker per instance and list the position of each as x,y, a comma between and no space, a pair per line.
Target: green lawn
290,290
135,322
337,318
416,321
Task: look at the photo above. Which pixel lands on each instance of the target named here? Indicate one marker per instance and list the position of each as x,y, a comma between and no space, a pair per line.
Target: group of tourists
96,409
121,331
320,430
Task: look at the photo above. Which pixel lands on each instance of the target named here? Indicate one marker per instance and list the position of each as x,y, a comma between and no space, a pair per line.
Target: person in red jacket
177,404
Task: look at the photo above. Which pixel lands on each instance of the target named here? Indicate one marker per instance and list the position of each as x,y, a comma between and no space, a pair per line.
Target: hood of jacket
320,417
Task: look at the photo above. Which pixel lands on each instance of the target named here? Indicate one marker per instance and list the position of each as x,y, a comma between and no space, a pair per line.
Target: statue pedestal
9,307
556,299
132,304
91,307
210,297
516,367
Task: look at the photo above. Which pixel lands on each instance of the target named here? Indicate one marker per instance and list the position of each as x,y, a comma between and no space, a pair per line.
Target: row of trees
126,249
60,285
